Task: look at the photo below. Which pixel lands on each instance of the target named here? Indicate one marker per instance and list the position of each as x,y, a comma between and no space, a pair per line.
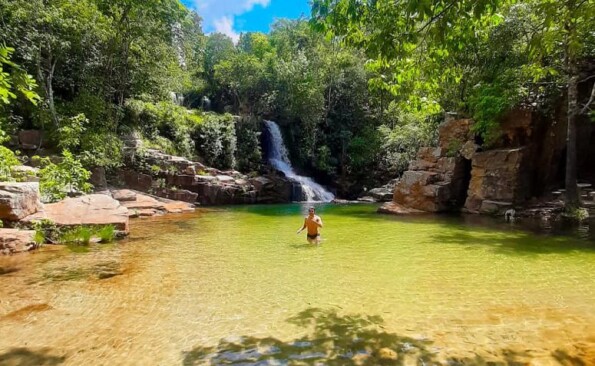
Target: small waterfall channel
278,158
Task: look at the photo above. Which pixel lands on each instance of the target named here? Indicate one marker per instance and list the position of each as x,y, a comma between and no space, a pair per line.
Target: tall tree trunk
572,194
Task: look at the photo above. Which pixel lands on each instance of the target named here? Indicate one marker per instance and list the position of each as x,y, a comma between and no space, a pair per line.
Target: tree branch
591,99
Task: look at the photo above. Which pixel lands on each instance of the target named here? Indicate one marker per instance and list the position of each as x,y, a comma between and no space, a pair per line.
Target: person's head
311,211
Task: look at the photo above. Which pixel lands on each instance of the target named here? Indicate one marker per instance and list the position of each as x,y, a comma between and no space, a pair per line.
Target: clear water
238,286
279,159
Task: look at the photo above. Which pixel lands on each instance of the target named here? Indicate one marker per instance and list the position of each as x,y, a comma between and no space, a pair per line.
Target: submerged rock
16,241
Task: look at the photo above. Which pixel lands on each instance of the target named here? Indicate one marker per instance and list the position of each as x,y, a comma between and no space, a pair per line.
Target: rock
16,241
368,199
124,195
494,207
225,178
30,139
440,188
19,200
178,207
497,175
394,208
468,150
143,202
386,354
453,134
260,182
135,180
94,209
98,179
361,359
382,194
190,170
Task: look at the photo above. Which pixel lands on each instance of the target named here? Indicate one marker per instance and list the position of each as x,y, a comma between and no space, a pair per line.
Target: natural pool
238,286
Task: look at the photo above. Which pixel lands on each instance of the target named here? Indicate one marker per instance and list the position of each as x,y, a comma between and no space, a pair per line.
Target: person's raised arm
303,227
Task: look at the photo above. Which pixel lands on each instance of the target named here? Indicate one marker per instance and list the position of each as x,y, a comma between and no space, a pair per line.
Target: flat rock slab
394,208
178,207
94,209
16,241
145,206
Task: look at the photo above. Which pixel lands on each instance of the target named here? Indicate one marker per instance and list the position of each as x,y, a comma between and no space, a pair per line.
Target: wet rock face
497,180
19,200
16,241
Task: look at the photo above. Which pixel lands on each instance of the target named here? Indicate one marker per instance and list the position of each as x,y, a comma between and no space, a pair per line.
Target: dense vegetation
356,90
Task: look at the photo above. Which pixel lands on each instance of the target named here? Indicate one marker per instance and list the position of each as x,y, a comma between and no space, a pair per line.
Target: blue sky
233,17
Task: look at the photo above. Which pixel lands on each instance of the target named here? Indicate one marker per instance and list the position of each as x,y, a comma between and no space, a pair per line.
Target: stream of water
237,286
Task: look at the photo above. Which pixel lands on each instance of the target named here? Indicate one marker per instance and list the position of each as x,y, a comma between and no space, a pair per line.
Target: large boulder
19,200
16,241
498,180
94,209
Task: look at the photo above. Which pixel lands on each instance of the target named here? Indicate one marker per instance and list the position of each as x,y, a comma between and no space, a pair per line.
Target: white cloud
218,15
225,25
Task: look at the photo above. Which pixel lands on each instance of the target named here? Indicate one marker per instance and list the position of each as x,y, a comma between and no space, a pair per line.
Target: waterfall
279,159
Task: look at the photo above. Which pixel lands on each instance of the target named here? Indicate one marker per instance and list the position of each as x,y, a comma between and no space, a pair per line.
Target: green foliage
401,142
166,125
14,80
64,178
8,160
216,140
248,154
106,234
46,231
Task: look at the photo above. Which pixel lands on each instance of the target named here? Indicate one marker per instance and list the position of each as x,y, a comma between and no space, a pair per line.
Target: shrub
167,126
248,153
67,177
8,160
215,139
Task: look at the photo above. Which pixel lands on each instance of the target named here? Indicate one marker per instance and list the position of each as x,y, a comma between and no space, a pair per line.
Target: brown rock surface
394,208
497,175
144,205
94,209
19,200
16,241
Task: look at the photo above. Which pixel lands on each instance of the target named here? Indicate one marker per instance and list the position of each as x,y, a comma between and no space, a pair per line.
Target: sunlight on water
238,286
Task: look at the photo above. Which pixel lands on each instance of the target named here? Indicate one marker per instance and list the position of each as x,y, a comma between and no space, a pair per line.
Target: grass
106,234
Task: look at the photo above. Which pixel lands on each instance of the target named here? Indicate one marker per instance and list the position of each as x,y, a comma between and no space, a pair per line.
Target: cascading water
279,159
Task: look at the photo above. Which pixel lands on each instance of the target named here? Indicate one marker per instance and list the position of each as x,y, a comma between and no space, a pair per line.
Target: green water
238,286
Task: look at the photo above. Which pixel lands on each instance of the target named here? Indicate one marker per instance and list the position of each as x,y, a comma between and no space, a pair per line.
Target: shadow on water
334,339
27,357
513,241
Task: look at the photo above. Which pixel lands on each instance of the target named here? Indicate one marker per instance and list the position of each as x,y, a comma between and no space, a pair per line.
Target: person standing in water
312,223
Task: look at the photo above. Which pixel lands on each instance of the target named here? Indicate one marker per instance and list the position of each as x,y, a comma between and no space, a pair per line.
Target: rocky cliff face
180,179
526,161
